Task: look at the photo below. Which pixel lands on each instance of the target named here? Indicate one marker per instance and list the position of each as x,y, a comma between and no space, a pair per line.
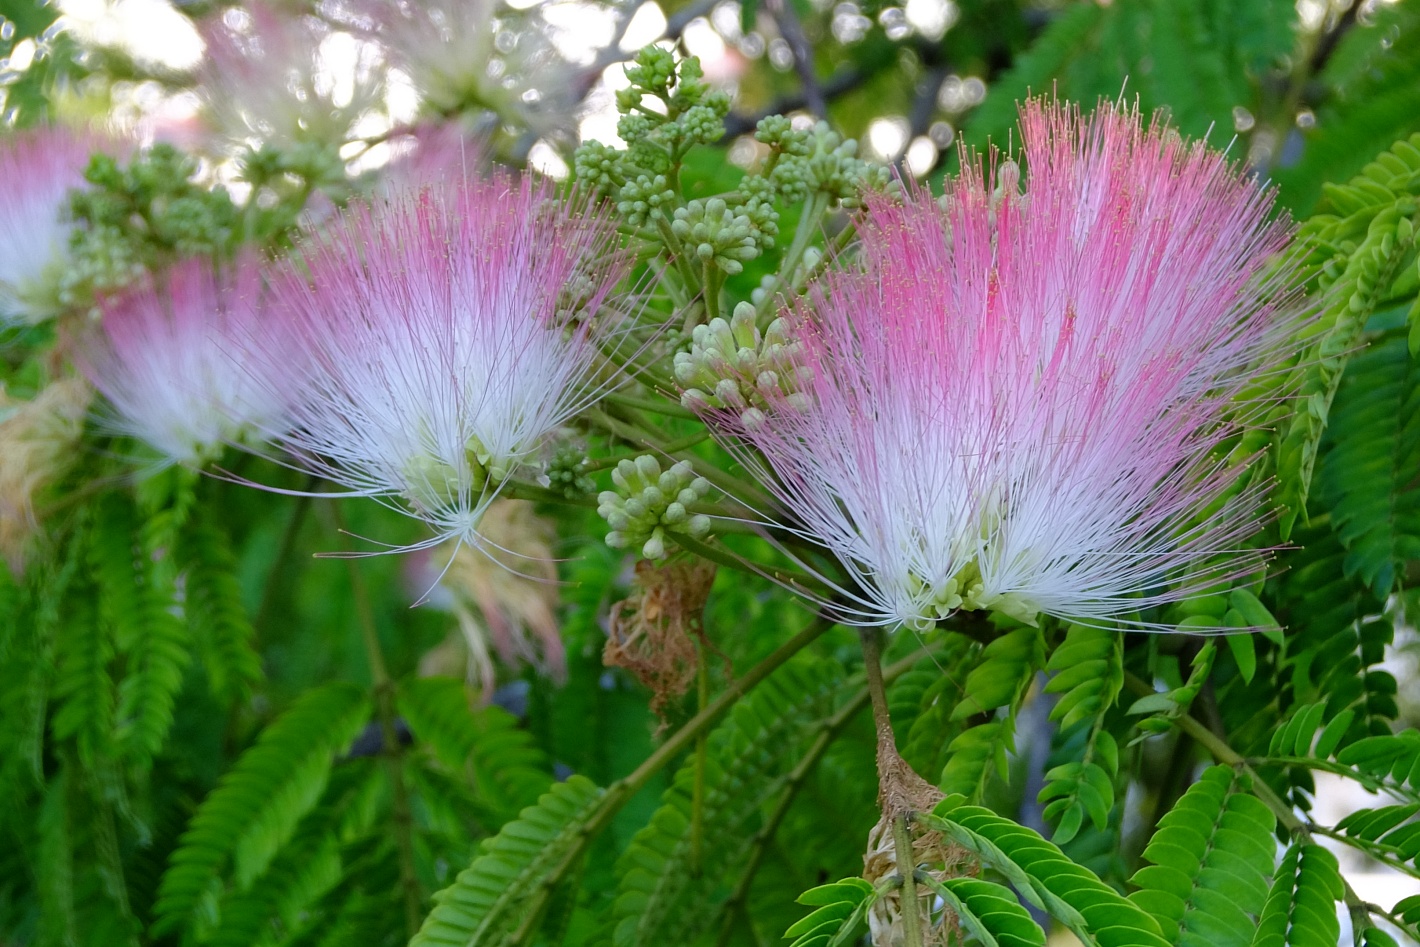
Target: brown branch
837,85
793,33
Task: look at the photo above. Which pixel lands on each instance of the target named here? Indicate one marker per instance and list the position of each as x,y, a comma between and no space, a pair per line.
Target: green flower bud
649,501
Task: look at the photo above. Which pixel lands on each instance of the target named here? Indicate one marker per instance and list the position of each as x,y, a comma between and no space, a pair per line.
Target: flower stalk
401,817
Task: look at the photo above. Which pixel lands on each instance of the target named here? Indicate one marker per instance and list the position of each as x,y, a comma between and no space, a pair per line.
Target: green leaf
138,597
256,807
486,746
921,702
1354,258
1041,873
1244,654
1001,679
1212,859
840,913
1089,675
673,879
1301,907
1004,672
989,912
1367,470
501,891
215,612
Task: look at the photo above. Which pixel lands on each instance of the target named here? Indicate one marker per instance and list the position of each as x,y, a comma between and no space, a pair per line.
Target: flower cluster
172,355
649,501
466,54
1016,402
263,83
38,168
439,354
732,365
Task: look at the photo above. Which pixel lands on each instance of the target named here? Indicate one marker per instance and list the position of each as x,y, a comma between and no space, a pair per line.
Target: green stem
670,447
618,428
800,582
814,210
638,365
743,493
711,715
623,790
400,815
712,291
911,919
831,253
829,731
1226,755
677,253
516,490
663,406
280,567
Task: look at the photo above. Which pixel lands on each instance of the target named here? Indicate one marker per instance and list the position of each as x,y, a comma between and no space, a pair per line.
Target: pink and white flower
172,357
38,167
447,333
1018,401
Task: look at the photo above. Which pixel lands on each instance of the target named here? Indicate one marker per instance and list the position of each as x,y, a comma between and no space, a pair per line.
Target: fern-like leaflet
242,825
486,747
1212,860
500,898
1089,675
1041,873
1001,679
673,880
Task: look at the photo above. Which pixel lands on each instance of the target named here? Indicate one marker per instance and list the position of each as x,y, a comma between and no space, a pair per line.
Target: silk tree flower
449,332
279,78
39,441
436,156
172,356
1020,401
38,167
462,54
505,602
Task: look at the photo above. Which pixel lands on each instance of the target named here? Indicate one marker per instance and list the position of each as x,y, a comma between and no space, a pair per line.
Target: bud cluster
726,231
731,365
140,217
729,230
818,160
965,591
690,113
714,232
649,501
567,473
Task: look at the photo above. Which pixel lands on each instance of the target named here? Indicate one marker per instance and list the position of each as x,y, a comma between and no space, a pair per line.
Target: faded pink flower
466,54
171,357
1017,401
437,156
449,332
284,79
38,167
